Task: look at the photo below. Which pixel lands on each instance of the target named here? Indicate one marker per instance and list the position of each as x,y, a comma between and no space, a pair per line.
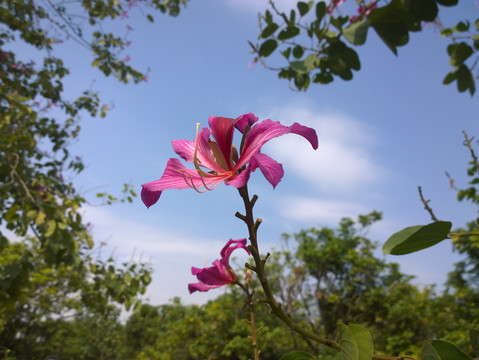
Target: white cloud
260,5
171,252
317,211
344,161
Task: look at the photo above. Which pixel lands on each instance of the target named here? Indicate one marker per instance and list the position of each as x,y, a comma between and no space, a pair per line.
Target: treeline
323,276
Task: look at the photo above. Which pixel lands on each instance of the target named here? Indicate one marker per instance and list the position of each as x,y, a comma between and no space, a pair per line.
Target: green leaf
50,227
425,10
40,219
474,334
447,2
267,47
305,66
416,238
357,32
297,355
298,51
428,352
449,351
288,33
465,80
320,10
269,30
304,8
355,342
286,53
150,18
458,53
392,23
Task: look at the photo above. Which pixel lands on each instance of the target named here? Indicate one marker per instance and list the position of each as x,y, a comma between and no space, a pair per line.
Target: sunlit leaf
357,32
449,351
297,355
267,47
416,238
355,342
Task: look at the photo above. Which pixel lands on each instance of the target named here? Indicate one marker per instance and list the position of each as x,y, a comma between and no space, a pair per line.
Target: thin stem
426,204
251,322
259,268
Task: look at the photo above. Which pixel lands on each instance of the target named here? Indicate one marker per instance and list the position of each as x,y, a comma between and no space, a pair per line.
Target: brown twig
426,204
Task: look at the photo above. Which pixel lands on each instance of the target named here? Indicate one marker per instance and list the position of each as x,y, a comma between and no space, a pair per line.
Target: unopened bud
248,276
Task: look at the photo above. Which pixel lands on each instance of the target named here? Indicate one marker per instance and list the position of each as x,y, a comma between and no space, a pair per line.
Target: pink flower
218,161
220,273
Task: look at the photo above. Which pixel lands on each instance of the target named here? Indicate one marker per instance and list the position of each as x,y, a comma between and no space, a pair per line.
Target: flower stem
259,268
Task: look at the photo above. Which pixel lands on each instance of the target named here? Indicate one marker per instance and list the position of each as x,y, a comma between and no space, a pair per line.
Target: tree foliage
317,41
47,267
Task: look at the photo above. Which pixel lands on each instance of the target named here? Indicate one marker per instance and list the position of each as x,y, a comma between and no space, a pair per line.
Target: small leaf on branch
269,30
428,352
357,32
414,238
474,335
355,342
288,33
267,47
449,351
297,355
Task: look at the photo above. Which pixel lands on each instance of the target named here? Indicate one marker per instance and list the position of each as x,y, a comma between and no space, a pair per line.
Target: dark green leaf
150,18
392,23
286,53
416,238
465,80
269,30
320,10
357,32
303,8
298,51
288,33
428,352
425,10
449,351
267,47
459,52
297,355
355,342
447,2
474,335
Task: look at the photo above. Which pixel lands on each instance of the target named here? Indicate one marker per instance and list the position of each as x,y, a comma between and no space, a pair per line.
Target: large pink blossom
220,273
217,160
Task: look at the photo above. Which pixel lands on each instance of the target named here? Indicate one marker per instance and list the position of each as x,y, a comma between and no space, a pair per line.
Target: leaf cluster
316,43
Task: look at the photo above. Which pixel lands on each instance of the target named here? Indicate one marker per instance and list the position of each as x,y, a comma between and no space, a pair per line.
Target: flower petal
228,249
222,130
245,120
176,176
186,150
271,169
220,273
266,130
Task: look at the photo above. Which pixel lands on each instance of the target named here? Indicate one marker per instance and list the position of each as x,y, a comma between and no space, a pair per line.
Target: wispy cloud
317,211
345,160
260,5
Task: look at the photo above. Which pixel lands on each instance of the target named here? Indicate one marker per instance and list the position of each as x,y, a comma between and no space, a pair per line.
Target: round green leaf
355,342
297,355
303,8
449,351
428,352
288,33
474,335
447,2
416,238
269,30
357,32
267,47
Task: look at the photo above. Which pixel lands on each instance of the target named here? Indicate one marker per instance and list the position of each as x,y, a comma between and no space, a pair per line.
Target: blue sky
392,128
